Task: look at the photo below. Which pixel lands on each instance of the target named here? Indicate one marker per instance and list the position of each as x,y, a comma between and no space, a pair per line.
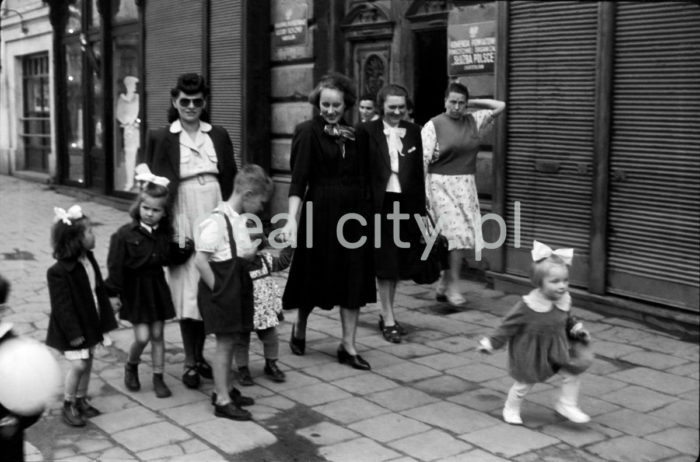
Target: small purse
428,271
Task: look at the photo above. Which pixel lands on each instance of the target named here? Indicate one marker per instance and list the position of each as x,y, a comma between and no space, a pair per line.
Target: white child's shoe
511,415
568,402
571,412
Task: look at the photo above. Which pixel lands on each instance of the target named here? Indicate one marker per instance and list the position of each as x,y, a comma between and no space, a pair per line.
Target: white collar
176,126
537,302
226,209
5,327
148,228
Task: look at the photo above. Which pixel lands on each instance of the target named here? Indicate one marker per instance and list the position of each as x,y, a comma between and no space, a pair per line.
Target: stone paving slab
642,390
508,440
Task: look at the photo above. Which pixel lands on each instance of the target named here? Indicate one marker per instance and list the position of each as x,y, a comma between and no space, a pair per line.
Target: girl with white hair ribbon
543,337
138,251
81,314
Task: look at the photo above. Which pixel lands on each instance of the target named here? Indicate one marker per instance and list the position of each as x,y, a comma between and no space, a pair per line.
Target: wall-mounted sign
291,24
471,48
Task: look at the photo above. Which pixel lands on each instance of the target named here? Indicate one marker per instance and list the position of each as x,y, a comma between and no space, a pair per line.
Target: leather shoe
72,415
204,369
273,372
237,398
297,345
399,327
159,387
85,408
191,377
355,361
244,377
131,377
231,411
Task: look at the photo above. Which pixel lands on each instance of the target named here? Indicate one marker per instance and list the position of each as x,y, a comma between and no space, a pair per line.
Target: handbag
228,307
428,271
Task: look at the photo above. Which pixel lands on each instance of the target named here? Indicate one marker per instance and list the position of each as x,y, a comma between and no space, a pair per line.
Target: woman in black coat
394,150
197,158
329,185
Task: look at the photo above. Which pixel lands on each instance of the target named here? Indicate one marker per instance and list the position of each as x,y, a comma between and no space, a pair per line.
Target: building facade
599,148
26,89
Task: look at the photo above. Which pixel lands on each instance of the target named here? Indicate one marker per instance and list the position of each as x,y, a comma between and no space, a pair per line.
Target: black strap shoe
231,411
191,377
237,398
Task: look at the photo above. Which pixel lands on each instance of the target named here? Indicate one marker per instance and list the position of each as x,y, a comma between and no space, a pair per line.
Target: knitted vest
458,141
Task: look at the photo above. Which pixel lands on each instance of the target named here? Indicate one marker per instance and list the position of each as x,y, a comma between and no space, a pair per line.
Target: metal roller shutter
173,45
226,70
655,154
551,96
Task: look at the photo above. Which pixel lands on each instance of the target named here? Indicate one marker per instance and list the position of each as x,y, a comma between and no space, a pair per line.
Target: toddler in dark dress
541,336
138,251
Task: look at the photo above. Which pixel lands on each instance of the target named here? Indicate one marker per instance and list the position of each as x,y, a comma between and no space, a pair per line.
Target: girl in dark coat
79,315
138,251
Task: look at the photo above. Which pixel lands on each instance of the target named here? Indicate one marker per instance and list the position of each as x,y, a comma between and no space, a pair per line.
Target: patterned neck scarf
340,133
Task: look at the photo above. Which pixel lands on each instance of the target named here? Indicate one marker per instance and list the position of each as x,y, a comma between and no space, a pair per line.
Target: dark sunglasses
185,102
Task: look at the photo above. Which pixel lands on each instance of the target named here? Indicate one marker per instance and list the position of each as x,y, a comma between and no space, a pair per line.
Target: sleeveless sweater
458,141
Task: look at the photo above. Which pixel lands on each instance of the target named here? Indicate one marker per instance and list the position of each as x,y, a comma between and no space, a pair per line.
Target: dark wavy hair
389,90
456,87
67,240
189,84
334,81
155,191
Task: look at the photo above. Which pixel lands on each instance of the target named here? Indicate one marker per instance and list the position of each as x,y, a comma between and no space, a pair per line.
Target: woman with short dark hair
451,143
197,158
394,149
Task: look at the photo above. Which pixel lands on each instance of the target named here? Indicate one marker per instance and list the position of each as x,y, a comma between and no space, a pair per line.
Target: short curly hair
334,81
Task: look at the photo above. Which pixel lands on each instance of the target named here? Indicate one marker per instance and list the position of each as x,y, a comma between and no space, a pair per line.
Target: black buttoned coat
73,310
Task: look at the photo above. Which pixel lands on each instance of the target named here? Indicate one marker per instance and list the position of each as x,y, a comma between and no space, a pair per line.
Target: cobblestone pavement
431,397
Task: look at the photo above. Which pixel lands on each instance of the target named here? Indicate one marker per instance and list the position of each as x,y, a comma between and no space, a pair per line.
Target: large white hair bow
541,251
143,173
73,213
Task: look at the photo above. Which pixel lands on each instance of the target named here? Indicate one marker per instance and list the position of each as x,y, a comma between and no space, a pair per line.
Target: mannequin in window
128,117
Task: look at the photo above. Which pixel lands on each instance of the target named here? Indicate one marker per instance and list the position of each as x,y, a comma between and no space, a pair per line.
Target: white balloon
29,376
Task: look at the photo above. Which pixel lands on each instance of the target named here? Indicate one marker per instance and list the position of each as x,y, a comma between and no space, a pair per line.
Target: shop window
73,122
127,121
126,69
36,119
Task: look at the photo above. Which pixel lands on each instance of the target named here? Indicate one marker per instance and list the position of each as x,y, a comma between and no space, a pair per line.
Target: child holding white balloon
80,308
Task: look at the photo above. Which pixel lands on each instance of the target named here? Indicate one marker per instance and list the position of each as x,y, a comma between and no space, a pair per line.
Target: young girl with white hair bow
80,310
138,252
541,336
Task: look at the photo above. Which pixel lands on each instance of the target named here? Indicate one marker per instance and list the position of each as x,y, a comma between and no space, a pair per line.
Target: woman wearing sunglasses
197,158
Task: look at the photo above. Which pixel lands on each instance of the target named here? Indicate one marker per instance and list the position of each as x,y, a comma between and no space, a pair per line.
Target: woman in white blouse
197,158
